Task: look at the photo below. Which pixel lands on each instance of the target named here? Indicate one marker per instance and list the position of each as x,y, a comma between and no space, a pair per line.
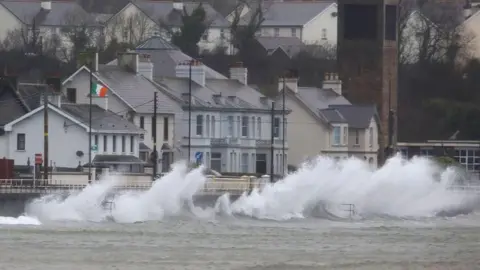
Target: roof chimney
331,81
46,5
145,66
198,71
128,60
239,72
290,81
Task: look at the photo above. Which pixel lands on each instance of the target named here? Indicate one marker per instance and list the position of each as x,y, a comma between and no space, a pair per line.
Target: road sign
199,156
38,159
94,147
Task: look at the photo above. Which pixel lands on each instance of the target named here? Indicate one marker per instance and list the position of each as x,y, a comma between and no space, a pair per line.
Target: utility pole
90,123
189,109
272,139
283,127
390,119
45,135
154,136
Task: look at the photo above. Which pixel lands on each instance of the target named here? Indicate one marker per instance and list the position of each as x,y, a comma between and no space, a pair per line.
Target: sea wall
13,205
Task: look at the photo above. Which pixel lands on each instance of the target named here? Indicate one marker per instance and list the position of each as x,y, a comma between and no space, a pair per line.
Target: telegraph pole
189,109
90,124
154,136
283,127
45,134
272,138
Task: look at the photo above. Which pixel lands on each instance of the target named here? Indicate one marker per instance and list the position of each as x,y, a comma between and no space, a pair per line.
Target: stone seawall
13,205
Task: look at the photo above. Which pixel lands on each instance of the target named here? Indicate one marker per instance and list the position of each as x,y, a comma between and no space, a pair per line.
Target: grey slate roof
11,107
144,147
217,94
164,11
291,13
332,115
316,98
156,43
101,119
59,15
135,89
357,116
165,57
291,45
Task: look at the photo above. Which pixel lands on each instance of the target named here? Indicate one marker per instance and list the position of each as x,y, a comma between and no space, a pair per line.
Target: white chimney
240,73
95,62
331,81
178,5
198,71
128,60
145,66
290,83
46,5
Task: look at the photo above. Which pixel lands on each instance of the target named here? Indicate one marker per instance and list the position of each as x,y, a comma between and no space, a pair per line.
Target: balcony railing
232,142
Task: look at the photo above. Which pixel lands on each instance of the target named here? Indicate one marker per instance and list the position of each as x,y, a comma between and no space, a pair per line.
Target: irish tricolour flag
98,90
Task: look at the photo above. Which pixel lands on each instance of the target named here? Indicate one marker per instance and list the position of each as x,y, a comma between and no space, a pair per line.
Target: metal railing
212,186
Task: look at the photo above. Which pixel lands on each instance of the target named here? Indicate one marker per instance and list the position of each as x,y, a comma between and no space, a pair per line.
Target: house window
222,34
370,136
125,34
95,139
336,136
276,127
21,141
470,158
132,144
207,126
244,163
238,126
276,32
123,144
165,128
213,126
294,32
216,162
114,143
244,126
200,125
345,135
391,22
105,141
142,122
230,125
324,34
259,127
357,137
253,127
72,95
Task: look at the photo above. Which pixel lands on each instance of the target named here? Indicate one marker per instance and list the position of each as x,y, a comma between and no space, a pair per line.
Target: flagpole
90,127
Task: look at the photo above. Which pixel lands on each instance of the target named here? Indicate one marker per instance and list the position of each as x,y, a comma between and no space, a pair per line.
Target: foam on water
402,188
21,220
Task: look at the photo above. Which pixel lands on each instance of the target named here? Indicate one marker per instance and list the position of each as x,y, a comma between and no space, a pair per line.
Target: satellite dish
79,153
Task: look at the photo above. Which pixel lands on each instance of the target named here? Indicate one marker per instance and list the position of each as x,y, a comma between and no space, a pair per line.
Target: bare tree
244,30
137,27
82,32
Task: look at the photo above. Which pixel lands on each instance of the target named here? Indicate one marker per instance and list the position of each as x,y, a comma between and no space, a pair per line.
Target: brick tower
368,59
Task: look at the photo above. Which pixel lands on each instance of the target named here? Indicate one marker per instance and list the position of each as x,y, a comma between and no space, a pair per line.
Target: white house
230,122
312,22
50,22
140,20
130,94
115,141
323,122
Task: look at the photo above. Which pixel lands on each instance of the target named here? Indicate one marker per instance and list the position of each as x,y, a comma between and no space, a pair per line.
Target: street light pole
283,127
189,109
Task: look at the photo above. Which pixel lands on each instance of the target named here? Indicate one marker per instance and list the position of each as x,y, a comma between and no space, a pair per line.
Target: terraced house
231,123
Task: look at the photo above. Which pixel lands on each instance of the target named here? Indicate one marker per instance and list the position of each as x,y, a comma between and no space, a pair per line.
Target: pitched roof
10,107
165,57
291,13
216,94
291,45
332,115
164,11
357,116
28,10
102,120
135,89
156,43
